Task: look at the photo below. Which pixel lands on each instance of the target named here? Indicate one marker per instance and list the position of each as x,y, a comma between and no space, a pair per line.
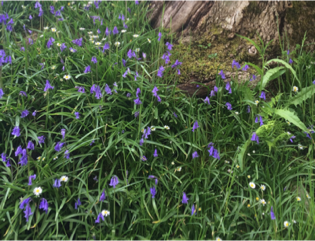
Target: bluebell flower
41,139
72,50
67,154
212,93
103,196
169,46
34,113
24,203
100,216
30,145
137,114
141,140
166,58
222,74
108,90
77,204
255,137
23,159
252,78
195,155
193,211
30,178
292,137
288,52
27,211
272,215
30,41
235,64
87,69
59,146
77,115
185,199
92,142
215,88
245,68
136,2
16,131
261,120
43,205
195,126
160,72
229,106
1,93
94,60
50,42
136,75
313,82
290,61
143,158
137,101
115,31
107,31
228,87
4,157
114,181
153,192
77,42
262,95
57,183
63,133
155,154
81,90
52,10
97,90
48,86
24,113
125,25
177,63
97,3
207,100
248,109
63,47
175,115
153,177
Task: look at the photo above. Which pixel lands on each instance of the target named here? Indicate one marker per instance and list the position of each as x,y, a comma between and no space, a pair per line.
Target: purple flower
34,113
175,115
166,58
255,137
236,64
136,2
288,52
141,140
252,78
52,9
144,55
195,126
107,31
137,114
169,46
128,95
97,90
23,159
77,204
193,211
22,49
138,101
77,115
272,215
261,120
57,183
98,31
94,60
16,131
30,178
50,42
115,31
1,93
63,47
212,93
92,142
125,25
81,90
41,139
229,106
160,35
245,68
307,135
114,181
313,82
215,89
146,133
4,157
228,87
207,100
43,205
155,154
248,109
222,74
290,61
24,202
143,158
63,68
77,42
87,69
59,146
48,86
37,5
160,72
124,62
67,154
262,95
27,211
63,133
177,63
185,199
73,50
30,41
108,90
103,196
24,113
100,216
195,155
153,177
153,191
30,145
292,137
57,13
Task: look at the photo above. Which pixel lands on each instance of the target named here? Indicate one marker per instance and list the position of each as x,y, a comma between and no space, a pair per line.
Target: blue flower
50,42
195,126
222,74
228,87
24,113
155,153
30,178
185,199
114,181
94,60
108,90
63,47
57,183
103,196
248,109
137,101
195,155
153,177
229,106
48,86
27,211
245,68
67,154
115,31
77,115
30,145
255,137
153,192
59,146
160,72
290,61
107,31
193,211
77,204
16,131
77,42
207,100
87,69
41,139
81,90
24,202
34,113
23,159
63,133
43,205
100,216
272,215
262,95
97,90
169,46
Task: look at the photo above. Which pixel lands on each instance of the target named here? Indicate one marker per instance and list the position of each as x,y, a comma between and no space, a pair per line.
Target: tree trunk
206,31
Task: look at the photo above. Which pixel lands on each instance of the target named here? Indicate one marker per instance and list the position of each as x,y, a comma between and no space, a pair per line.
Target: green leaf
291,117
272,74
303,95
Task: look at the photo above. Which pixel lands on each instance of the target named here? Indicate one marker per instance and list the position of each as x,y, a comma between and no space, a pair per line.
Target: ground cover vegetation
98,143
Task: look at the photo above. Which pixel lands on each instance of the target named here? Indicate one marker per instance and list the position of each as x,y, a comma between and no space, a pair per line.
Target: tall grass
105,141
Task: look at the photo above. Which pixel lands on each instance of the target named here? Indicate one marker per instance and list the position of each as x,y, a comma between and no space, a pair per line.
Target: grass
105,141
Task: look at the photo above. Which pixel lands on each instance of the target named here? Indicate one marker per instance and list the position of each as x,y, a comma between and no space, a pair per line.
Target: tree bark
206,34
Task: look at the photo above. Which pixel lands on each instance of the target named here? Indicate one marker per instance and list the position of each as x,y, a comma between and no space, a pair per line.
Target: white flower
37,191
236,113
46,28
103,39
254,151
55,158
40,158
72,50
248,154
95,36
288,122
298,199
64,179
135,35
289,133
149,40
81,29
300,146
218,239
137,50
263,187
41,36
66,77
229,171
256,102
226,161
294,221
178,169
123,31
263,202
92,41
166,127
23,7
295,89
152,128
173,163
237,166
117,44
53,30
308,196
252,185
105,213
90,33
98,43
58,44
286,224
